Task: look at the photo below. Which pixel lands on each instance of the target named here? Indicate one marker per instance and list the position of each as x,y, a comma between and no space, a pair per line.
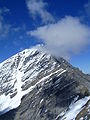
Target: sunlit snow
17,77
75,108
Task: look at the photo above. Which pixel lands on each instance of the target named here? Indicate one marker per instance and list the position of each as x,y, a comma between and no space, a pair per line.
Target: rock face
37,86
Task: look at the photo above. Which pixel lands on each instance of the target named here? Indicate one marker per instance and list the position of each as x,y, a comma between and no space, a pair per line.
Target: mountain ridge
35,85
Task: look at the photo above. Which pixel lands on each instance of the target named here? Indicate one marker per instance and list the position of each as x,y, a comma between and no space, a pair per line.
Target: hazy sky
61,25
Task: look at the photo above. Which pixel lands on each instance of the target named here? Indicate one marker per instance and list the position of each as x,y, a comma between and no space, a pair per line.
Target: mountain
35,85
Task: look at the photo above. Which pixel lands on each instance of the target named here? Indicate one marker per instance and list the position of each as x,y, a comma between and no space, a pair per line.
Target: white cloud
66,37
38,8
4,28
87,8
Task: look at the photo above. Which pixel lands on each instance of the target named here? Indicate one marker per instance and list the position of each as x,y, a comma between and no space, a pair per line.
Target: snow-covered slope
19,71
52,80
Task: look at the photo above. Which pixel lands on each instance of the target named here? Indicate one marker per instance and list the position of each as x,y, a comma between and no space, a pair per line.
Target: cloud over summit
66,37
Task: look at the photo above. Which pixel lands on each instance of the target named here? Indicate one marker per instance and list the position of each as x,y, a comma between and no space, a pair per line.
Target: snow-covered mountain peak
18,74
38,84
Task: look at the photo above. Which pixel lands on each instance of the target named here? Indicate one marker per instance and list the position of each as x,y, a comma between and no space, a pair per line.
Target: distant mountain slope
34,85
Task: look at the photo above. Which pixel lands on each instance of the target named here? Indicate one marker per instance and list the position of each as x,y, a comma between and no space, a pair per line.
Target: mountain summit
35,85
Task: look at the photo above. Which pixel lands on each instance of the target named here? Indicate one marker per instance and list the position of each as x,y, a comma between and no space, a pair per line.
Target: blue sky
20,23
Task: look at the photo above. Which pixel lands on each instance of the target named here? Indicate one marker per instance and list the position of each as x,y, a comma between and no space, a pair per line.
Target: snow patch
75,108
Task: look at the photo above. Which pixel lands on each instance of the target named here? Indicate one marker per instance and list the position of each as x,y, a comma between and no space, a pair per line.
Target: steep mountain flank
37,86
